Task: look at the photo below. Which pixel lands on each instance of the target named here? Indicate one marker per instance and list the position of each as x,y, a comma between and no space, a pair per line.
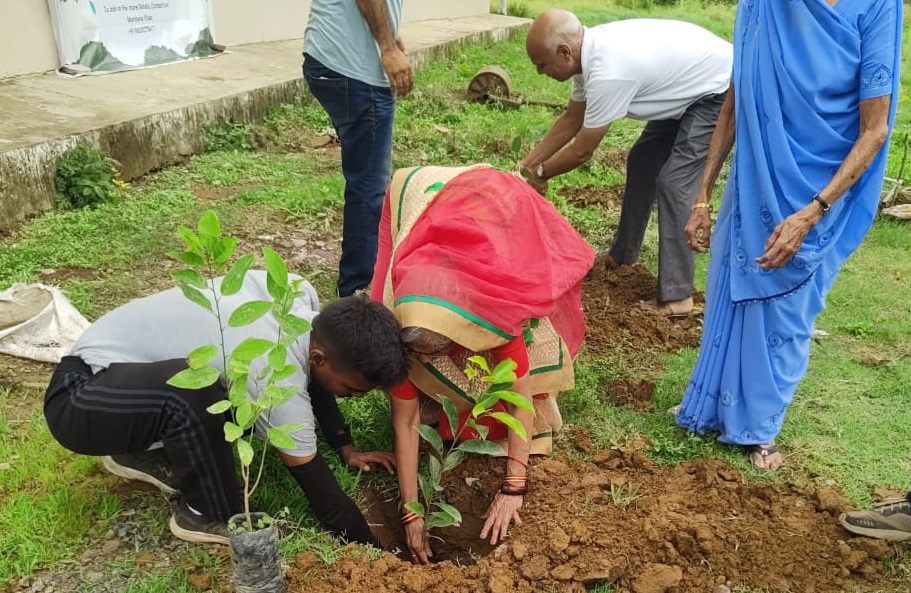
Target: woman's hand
698,230
788,236
418,542
503,510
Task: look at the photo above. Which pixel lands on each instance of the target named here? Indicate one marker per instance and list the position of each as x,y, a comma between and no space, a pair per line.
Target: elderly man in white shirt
672,74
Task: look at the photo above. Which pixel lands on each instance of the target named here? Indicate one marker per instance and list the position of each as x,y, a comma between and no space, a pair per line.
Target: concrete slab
147,119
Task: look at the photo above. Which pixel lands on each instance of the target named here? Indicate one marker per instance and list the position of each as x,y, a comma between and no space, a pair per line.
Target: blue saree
801,69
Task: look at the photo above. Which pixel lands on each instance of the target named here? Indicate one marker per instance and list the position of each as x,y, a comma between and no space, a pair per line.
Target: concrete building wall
27,41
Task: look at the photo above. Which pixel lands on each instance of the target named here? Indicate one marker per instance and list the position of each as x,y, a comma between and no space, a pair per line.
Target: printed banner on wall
97,36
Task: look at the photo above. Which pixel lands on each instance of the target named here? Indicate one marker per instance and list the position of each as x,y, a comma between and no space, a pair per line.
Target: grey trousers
665,165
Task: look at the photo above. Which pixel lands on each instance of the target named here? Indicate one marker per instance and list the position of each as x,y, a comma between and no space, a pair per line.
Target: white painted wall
27,41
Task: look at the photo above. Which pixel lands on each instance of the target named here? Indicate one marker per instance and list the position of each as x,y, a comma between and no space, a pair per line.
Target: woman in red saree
474,261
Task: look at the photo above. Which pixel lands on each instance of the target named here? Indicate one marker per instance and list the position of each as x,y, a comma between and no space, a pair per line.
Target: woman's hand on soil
503,510
418,542
367,460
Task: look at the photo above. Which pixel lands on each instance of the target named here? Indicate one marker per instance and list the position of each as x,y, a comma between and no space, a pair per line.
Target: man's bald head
553,27
554,44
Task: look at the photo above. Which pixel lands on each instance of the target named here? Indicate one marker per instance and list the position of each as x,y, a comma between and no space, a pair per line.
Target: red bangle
513,491
410,517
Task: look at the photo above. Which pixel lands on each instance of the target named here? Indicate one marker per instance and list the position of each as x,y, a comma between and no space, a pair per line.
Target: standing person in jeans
110,397
672,74
355,65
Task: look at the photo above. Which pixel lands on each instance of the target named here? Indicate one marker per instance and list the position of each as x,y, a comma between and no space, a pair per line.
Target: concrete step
147,119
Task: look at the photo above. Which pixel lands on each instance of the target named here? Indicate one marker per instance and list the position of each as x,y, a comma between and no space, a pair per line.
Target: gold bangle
698,205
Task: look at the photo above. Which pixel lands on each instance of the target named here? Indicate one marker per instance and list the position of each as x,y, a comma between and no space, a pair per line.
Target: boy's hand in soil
367,460
418,541
503,510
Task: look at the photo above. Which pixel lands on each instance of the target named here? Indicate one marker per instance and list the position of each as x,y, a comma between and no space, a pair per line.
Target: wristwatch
539,171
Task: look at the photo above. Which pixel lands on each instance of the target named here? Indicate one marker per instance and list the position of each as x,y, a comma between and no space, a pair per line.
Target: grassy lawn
848,426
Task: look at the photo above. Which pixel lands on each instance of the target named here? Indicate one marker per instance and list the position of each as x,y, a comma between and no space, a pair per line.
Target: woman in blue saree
811,106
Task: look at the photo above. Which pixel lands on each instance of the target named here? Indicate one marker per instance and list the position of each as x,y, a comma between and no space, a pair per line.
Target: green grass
847,425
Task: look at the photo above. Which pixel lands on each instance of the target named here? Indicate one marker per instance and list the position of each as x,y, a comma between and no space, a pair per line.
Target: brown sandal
764,451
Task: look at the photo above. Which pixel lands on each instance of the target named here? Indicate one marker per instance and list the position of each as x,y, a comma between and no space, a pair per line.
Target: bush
228,136
85,177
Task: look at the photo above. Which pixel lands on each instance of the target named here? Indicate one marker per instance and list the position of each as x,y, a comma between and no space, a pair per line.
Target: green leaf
219,407
251,348
292,427
275,266
245,415
512,423
189,258
284,372
452,414
249,312
452,460
426,486
245,452
190,239
481,362
451,512
201,356
280,439
435,469
195,378
504,372
432,437
438,519
196,296
234,279
238,392
225,250
481,429
294,326
238,367
190,277
208,226
516,145
479,447
278,357
275,395
516,399
484,404
415,507
232,432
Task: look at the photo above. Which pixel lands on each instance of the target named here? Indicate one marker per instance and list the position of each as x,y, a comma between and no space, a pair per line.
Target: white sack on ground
38,322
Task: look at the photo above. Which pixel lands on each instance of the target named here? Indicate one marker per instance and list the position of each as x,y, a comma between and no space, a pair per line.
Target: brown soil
625,521
590,195
632,394
611,302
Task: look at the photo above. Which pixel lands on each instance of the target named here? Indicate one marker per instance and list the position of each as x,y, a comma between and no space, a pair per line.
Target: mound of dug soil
625,521
612,313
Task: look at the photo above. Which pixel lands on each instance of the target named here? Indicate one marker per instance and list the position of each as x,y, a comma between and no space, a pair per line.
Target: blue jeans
362,115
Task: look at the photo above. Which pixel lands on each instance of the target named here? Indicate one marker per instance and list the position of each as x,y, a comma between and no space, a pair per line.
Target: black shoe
198,529
151,467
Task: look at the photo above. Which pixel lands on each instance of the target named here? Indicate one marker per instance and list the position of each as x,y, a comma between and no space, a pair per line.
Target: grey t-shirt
167,325
338,36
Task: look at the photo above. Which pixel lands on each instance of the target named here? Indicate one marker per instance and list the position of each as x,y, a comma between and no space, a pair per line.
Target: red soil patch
625,521
611,302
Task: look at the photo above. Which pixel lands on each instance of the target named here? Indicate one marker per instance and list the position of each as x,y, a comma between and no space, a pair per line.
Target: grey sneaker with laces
151,467
197,529
888,520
